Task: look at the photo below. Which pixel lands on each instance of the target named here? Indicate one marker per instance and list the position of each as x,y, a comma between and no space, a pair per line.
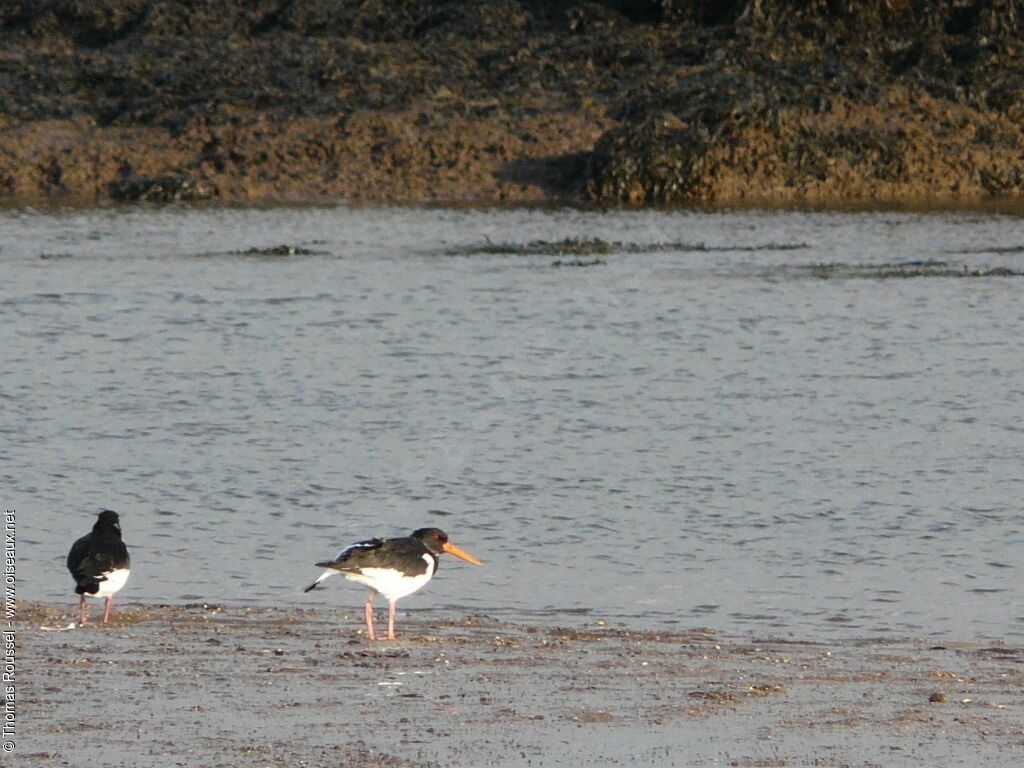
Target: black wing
405,555
92,557
352,549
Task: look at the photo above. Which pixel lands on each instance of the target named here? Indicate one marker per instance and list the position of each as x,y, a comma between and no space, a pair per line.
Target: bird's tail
87,586
326,574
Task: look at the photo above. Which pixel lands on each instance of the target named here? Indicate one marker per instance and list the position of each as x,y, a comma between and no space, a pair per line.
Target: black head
108,522
436,542
433,539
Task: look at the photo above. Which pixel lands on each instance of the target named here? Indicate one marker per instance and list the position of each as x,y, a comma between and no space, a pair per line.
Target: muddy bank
663,101
233,686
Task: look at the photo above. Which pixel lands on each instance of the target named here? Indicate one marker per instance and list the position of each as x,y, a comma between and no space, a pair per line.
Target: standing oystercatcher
392,567
99,563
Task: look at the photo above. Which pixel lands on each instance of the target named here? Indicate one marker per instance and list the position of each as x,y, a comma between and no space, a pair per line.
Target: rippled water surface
700,435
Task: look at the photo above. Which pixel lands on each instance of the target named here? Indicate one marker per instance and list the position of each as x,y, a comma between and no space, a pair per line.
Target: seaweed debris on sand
596,246
905,270
650,102
292,687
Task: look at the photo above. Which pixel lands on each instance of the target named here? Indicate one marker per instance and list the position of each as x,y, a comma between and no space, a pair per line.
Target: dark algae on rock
172,188
827,101
646,102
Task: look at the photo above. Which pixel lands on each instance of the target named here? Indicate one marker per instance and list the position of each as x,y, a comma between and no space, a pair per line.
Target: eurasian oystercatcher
392,567
99,563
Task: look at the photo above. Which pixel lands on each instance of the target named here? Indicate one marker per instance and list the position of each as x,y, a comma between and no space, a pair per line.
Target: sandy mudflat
212,686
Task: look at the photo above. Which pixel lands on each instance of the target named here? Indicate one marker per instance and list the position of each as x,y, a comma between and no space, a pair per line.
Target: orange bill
451,549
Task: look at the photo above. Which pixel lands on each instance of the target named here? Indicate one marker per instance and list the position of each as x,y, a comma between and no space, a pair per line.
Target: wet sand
233,686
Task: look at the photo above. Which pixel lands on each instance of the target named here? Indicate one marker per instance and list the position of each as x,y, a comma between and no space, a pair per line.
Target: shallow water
682,437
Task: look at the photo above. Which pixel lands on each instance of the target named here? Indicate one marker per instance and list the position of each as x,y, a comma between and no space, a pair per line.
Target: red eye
437,537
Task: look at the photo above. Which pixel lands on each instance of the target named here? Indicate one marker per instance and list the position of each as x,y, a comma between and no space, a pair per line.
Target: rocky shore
233,686
665,102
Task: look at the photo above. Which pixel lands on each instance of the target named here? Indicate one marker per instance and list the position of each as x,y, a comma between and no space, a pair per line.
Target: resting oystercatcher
99,563
392,567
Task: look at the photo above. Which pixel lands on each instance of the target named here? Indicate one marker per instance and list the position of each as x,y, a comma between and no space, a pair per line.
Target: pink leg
391,621
108,610
369,618
84,615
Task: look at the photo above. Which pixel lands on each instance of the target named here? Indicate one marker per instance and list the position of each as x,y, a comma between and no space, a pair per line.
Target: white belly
112,583
390,583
